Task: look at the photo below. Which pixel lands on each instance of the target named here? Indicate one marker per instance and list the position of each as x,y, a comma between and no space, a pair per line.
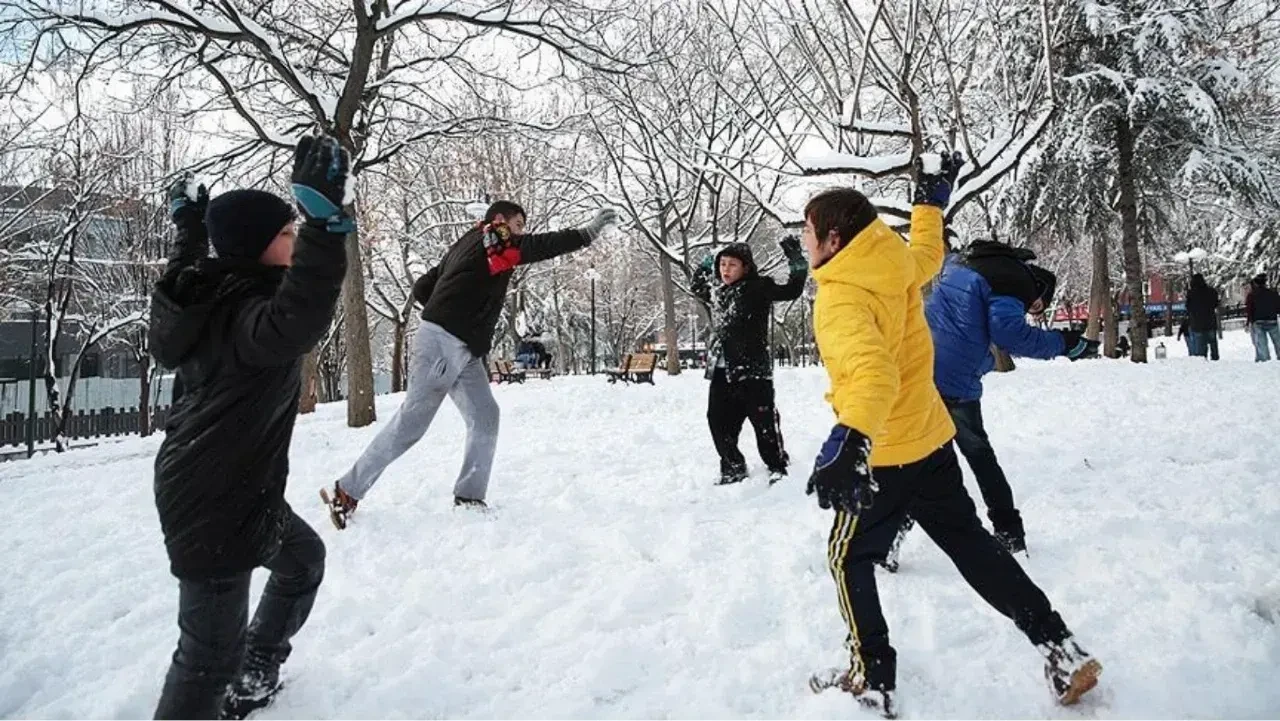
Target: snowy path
615,581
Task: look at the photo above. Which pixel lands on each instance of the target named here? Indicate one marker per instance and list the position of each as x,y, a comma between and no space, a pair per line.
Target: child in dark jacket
741,370
237,327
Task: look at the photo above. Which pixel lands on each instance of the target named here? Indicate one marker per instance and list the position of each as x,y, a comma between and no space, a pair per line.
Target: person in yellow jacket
891,451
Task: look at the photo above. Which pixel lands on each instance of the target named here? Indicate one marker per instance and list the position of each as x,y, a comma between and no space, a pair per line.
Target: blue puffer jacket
966,317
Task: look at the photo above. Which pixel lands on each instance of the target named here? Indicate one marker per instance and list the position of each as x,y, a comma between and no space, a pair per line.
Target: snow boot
255,688
775,476
844,679
473,503
340,506
890,562
1070,671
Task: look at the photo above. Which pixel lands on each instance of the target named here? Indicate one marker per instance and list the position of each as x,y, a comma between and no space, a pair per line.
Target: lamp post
31,383
591,276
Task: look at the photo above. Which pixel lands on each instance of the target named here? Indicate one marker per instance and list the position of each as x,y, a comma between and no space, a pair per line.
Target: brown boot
340,506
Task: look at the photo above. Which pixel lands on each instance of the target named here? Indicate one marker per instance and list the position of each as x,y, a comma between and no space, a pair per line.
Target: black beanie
242,223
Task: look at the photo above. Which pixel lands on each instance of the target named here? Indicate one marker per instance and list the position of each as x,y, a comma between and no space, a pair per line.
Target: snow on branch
997,159
873,166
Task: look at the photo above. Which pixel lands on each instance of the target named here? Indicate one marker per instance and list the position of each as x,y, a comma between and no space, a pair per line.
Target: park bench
504,371
634,368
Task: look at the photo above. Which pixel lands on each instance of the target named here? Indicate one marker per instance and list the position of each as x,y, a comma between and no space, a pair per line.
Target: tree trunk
669,306
1111,327
360,400
310,368
1099,290
397,358
1128,207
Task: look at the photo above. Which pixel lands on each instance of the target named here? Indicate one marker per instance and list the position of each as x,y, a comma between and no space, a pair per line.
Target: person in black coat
741,371
237,328
1202,317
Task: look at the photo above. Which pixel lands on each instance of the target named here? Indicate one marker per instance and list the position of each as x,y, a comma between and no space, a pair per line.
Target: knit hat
242,223
1046,282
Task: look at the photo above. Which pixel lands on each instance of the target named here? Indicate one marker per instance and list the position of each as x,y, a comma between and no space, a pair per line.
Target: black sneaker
731,478
252,690
476,503
776,475
1070,670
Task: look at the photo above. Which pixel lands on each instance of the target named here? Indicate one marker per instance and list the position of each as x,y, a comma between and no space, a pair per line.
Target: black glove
182,208
842,473
1076,346
935,189
790,246
320,169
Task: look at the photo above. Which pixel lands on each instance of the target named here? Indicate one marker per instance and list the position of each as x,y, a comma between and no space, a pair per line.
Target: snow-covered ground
613,580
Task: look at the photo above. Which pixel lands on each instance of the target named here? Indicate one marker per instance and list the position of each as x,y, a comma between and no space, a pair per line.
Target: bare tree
380,76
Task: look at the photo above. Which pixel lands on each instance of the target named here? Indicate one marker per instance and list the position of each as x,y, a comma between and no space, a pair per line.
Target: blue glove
935,189
842,473
320,169
1076,346
182,208
708,263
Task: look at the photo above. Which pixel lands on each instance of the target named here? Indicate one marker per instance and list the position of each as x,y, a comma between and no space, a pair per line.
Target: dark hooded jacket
740,312
1202,306
465,291
1262,303
237,332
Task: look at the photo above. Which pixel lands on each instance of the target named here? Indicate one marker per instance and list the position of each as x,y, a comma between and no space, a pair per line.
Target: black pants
729,405
971,437
932,491
212,613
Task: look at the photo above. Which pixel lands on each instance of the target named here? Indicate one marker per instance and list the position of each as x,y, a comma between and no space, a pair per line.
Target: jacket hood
993,249
742,252
183,303
876,259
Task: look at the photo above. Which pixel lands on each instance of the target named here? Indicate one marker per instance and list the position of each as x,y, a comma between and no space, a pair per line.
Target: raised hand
320,170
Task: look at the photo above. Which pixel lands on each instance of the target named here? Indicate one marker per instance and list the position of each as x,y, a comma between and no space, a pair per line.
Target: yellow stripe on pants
837,549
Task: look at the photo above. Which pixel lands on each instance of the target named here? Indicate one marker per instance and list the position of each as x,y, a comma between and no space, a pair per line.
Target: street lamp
591,276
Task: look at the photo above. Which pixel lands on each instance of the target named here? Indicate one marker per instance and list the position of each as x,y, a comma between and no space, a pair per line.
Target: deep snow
613,580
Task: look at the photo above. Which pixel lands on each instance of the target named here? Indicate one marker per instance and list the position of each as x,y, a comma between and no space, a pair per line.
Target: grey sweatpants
441,365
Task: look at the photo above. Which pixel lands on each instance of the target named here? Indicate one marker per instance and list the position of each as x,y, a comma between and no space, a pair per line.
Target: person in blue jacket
982,299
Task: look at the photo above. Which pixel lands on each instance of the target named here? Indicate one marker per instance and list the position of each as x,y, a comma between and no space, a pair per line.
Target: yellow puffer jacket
869,323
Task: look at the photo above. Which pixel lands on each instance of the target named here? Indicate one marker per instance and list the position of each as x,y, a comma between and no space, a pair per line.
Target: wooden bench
620,373
634,368
543,373
504,371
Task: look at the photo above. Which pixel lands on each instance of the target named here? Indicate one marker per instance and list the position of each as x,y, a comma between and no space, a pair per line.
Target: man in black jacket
237,327
741,371
1202,317
1261,311
462,298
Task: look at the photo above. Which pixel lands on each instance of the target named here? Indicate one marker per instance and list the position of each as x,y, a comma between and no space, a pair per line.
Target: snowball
193,187
931,163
